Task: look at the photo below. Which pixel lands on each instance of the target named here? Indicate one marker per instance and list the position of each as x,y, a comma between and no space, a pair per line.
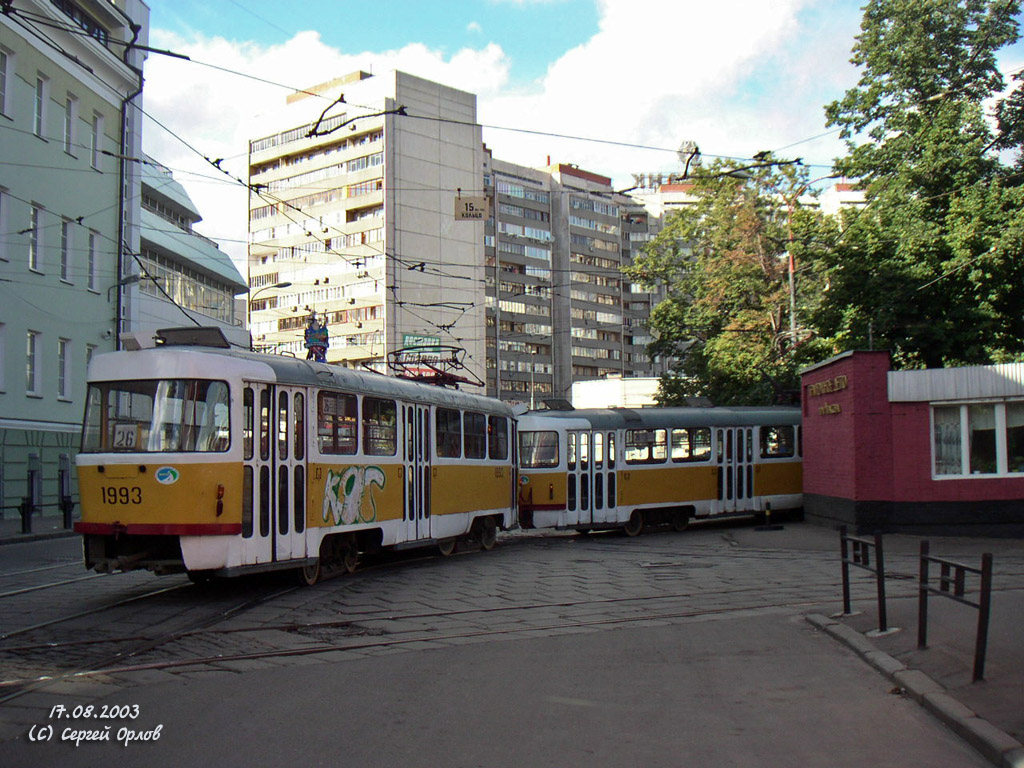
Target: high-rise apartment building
559,308
352,219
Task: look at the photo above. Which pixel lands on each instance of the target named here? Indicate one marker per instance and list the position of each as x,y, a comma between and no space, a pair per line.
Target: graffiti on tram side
346,491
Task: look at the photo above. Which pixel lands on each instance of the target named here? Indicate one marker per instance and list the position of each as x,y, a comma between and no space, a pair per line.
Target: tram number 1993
123,495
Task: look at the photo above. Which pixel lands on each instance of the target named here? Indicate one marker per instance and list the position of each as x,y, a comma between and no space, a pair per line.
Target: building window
70,122
3,357
91,274
63,368
978,439
65,250
4,203
42,95
6,58
981,421
35,237
95,140
32,363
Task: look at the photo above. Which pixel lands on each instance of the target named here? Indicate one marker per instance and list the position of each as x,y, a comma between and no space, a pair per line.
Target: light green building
70,83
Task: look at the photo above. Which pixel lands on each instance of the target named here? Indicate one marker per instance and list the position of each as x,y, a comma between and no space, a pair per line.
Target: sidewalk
48,526
988,714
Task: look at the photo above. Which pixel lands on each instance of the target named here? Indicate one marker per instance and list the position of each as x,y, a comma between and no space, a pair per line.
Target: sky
614,86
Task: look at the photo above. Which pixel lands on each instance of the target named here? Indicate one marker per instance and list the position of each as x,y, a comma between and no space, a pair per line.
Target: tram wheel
349,554
446,546
487,533
310,574
635,524
201,578
680,521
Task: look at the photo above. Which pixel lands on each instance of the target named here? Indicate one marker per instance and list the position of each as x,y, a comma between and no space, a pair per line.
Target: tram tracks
137,644
419,636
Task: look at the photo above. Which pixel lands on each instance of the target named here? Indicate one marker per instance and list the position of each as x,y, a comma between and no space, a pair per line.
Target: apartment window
63,369
90,350
35,237
70,121
32,363
91,264
65,249
42,94
95,139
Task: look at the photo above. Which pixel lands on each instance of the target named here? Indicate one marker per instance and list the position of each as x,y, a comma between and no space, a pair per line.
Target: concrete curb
998,747
23,538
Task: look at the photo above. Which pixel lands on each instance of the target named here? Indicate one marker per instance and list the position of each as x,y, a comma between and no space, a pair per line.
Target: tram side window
449,433
380,427
497,437
475,435
248,400
336,423
777,442
538,449
300,427
692,444
646,446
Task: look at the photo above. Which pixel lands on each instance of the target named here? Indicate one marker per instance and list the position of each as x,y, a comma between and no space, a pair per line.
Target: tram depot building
936,451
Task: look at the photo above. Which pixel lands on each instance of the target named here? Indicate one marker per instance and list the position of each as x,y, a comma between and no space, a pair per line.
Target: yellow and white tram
220,462
623,468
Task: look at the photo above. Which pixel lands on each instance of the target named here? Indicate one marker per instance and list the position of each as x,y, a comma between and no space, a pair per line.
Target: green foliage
925,268
722,260
931,268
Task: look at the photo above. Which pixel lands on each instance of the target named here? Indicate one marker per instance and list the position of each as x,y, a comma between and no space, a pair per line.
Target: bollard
26,514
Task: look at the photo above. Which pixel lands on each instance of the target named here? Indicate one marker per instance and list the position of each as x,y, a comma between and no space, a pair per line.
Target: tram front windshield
157,416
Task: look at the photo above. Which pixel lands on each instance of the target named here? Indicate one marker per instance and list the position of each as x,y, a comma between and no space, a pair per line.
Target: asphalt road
683,649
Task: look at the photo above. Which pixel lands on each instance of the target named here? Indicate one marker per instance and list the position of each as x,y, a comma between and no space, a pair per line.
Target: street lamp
791,202
249,302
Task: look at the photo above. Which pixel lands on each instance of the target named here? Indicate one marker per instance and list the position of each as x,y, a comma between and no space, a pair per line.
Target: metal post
984,606
883,625
844,553
64,488
922,598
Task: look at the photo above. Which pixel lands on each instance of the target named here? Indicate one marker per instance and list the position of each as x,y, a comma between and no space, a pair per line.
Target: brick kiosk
937,451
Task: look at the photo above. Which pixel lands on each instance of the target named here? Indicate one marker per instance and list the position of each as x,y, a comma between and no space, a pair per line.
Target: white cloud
736,76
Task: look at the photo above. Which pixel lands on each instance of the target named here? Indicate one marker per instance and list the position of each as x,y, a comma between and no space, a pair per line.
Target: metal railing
952,583
862,549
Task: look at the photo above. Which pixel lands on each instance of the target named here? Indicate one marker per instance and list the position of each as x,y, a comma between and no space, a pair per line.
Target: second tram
624,468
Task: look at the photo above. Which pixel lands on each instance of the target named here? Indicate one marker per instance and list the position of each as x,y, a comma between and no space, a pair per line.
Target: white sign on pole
471,208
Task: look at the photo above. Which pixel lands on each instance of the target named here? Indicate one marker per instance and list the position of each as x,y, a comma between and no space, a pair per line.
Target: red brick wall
861,447
847,428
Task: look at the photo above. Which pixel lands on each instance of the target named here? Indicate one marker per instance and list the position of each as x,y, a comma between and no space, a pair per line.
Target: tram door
274,503
735,469
289,484
416,494
603,492
579,478
258,506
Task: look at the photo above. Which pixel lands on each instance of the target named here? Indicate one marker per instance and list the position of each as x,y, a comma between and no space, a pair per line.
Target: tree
721,260
931,268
